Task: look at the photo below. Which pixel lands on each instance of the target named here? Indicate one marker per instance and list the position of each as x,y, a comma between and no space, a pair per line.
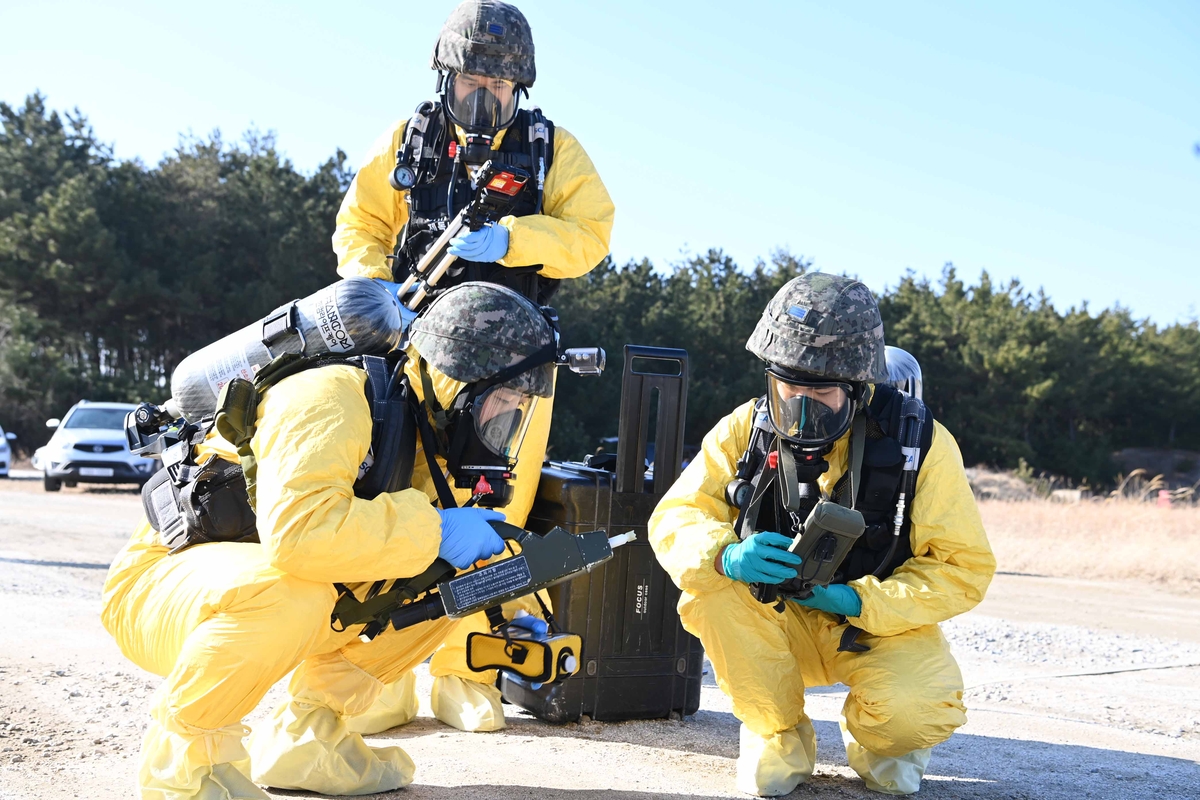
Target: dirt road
1077,689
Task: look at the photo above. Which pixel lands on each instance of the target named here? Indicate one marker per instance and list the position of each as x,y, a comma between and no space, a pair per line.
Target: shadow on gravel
967,766
1031,769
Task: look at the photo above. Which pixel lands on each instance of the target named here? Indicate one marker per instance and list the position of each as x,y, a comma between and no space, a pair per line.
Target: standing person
831,415
222,621
484,58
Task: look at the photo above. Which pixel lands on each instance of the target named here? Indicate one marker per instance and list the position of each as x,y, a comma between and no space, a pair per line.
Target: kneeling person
828,404
223,621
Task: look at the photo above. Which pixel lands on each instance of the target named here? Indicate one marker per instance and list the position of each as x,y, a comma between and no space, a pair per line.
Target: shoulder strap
433,150
858,443
753,467
393,429
430,447
541,149
237,405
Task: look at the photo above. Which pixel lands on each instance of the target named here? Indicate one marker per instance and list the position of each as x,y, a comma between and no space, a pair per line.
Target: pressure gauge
403,177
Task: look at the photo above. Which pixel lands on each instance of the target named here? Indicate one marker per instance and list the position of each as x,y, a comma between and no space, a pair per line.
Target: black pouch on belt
204,503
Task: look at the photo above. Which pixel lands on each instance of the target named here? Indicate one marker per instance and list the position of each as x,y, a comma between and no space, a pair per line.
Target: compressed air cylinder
356,316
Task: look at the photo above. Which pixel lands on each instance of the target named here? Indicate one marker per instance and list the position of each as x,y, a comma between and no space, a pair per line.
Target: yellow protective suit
905,692
462,698
568,239
223,622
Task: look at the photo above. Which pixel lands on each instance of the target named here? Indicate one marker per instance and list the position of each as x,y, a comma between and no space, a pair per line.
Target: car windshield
107,418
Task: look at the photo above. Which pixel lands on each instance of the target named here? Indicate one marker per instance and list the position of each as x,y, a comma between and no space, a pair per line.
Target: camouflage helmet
474,330
486,37
823,325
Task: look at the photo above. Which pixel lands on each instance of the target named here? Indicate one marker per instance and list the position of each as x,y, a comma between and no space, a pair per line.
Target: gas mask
479,104
809,413
481,431
485,436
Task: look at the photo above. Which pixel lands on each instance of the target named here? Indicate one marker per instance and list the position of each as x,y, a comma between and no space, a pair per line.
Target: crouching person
829,428
223,621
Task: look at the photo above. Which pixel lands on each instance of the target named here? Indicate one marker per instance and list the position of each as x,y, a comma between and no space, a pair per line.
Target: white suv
88,446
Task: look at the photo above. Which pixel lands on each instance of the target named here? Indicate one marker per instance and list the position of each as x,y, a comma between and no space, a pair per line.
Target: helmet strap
440,418
546,354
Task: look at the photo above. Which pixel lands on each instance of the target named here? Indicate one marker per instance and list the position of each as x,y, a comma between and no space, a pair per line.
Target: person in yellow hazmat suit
414,180
223,621
829,430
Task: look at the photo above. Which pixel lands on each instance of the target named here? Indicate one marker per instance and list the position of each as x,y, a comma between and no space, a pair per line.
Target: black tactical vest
883,463
444,188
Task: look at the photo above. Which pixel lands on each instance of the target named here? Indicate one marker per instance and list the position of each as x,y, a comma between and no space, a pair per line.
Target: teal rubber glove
467,537
760,558
837,598
489,243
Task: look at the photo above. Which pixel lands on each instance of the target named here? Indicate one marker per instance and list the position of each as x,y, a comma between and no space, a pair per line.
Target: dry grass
1114,540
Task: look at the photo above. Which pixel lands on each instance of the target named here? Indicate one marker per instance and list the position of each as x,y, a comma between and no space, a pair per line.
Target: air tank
904,372
356,316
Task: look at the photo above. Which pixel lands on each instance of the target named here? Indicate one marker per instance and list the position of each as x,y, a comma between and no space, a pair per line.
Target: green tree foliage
706,305
111,272
1015,379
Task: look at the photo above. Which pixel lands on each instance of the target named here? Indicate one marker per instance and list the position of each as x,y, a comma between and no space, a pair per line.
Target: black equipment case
637,661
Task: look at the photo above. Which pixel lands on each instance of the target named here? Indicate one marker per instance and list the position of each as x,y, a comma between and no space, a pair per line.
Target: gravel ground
1075,689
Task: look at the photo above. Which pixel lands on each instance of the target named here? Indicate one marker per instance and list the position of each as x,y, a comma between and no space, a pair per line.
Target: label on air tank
330,324
227,366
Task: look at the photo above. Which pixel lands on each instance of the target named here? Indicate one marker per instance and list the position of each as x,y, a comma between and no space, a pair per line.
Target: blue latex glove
467,537
760,558
489,243
837,598
535,626
406,316
529,622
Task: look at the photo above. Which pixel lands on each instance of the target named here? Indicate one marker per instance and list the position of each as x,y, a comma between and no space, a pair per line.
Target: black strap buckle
281,322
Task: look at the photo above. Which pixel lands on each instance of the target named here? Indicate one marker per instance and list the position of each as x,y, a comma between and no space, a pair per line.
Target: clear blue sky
1052,142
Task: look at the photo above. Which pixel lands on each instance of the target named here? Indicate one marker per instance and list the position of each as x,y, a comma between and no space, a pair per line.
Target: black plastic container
638,662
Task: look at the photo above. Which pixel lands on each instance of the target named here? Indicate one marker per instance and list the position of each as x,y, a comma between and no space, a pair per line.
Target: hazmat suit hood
445,387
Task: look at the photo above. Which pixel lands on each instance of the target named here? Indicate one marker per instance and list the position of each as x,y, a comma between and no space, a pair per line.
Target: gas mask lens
480,104
502,416
809,413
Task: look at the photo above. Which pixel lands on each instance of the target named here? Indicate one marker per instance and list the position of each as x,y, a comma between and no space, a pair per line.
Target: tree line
112,271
